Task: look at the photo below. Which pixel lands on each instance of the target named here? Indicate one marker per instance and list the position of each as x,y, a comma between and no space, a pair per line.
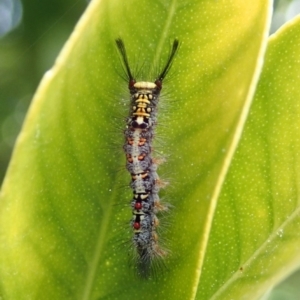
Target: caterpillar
145,182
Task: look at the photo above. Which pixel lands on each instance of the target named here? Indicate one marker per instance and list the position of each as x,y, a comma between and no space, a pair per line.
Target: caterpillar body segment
145,182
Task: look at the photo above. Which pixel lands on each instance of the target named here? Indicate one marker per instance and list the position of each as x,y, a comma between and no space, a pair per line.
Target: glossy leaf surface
257,223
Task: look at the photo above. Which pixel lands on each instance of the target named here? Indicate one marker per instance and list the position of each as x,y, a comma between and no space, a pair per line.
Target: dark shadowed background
32,33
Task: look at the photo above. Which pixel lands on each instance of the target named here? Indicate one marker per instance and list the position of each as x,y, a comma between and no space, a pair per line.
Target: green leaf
64,212
255,238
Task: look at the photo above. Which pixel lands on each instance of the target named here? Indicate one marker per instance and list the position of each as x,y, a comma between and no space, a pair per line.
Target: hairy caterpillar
142,167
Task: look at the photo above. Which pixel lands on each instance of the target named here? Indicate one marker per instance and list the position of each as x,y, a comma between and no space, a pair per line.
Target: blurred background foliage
32,32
